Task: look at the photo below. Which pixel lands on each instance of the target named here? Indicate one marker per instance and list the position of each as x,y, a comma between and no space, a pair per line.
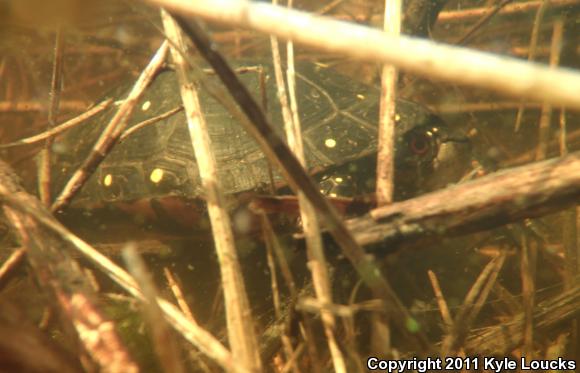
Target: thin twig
178,294
54,131
148,122
270,236
447,63
112,131
546,114
11,265
443,308
241,334
532,51
465,38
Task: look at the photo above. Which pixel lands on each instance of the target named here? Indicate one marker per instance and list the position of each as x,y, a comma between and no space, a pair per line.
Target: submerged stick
546,113
241,334
437,61
519,7
488,202
55,131
44,177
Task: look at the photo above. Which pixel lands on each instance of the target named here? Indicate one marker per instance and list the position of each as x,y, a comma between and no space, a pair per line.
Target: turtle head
429,155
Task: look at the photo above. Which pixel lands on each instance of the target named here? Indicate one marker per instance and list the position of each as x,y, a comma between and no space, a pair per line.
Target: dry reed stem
546,114
112,131
55,131
44,174
532,51
270,236
520,7
241,334
164,343
447,63
443,308
316,258
388,108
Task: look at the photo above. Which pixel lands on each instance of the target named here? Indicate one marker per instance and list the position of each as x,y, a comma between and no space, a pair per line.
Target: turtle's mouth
455,139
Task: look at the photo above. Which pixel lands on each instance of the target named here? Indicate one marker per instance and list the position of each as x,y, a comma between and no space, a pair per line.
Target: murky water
148,190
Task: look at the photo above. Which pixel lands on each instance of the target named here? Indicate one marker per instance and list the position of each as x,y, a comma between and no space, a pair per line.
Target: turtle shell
339,124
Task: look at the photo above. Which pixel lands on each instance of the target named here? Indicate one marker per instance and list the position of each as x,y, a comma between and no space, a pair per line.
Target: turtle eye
421,143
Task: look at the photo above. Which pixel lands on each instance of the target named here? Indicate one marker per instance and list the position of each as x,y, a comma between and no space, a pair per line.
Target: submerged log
491,201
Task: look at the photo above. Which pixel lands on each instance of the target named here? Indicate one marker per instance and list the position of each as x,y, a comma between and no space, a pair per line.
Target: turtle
338,117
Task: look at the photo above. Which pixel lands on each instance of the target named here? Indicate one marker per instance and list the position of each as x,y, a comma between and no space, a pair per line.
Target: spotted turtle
339,122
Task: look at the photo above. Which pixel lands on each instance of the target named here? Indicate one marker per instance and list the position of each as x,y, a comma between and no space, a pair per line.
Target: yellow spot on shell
338,179
330,143
397,117
146,105
156,175
108,180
